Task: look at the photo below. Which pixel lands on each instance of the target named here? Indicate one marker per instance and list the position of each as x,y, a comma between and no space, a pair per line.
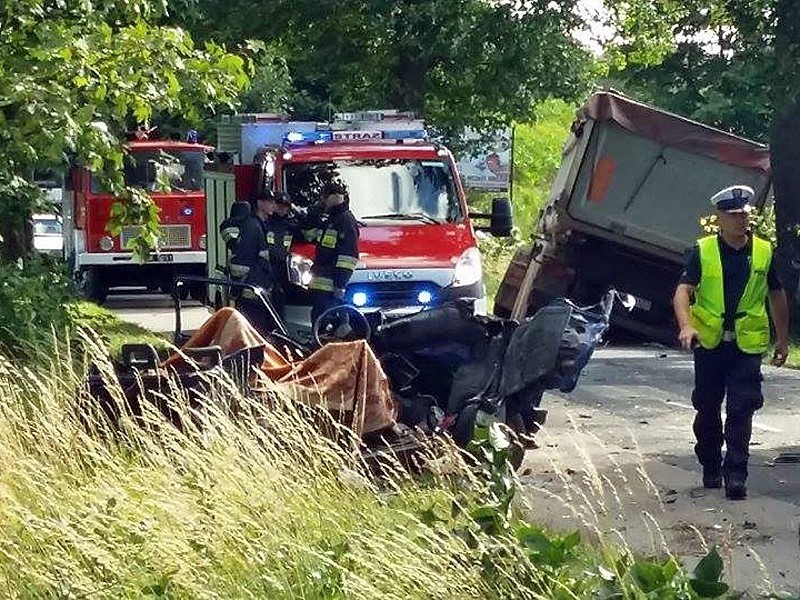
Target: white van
48,235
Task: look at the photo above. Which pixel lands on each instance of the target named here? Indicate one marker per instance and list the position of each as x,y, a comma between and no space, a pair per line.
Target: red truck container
101,261
417,245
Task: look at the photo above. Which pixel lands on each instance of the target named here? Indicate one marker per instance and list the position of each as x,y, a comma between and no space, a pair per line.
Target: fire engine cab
99,260
417,244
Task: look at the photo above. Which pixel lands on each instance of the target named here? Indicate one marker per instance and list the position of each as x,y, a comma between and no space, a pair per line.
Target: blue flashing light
308,137
360,299
424,297
405,134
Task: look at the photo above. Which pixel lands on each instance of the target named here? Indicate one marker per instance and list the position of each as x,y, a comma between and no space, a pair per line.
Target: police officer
279,232
337,250
249,260
720,305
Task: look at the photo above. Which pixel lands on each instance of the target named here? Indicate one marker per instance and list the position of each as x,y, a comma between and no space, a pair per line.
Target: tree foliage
74,73
711,61
458,62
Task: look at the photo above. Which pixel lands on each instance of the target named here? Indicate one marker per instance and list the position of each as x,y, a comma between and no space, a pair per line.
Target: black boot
712,479
735,488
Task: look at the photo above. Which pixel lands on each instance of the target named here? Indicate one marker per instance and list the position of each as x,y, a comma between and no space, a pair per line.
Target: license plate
162,258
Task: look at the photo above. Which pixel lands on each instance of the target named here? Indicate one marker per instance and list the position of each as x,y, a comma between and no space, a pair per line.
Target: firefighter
720,305
337,249
249,261
231,227
278,232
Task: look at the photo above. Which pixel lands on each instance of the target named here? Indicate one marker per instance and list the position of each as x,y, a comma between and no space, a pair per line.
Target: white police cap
734,199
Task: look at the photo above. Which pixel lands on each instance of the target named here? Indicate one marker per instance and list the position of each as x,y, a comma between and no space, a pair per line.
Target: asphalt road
155,311
616,460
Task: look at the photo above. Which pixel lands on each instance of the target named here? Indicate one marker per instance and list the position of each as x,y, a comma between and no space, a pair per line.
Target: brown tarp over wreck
676,131
346,377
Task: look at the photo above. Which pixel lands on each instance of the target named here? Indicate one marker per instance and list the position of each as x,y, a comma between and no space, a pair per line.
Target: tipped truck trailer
625,208
417,242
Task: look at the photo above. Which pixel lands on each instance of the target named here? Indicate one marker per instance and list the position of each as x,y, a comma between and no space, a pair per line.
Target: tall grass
250,501
260,506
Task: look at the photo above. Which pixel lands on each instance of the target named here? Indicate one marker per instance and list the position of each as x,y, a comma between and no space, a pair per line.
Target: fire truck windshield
396,189
160,171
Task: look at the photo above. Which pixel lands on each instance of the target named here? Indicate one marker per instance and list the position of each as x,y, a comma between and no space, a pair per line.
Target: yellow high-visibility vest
751,323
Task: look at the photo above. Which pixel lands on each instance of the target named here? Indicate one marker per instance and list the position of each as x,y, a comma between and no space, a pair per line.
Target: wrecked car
443,370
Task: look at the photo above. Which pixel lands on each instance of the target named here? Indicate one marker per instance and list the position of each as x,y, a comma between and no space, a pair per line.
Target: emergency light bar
308,137
296,138
405,134
374,115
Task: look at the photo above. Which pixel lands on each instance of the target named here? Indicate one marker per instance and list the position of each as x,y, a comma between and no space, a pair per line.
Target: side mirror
501,221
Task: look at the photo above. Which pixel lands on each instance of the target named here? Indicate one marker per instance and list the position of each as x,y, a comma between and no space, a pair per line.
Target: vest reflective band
751,322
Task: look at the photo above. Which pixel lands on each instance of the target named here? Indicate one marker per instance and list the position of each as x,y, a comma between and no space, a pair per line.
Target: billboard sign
489,166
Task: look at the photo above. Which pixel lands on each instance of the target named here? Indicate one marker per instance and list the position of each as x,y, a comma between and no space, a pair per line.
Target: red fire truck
417,242
101,261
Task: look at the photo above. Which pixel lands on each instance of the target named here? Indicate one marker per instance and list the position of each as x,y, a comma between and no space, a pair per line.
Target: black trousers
725,370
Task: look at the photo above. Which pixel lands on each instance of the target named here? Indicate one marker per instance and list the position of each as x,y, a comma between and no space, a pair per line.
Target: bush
33,301
38,302
537,158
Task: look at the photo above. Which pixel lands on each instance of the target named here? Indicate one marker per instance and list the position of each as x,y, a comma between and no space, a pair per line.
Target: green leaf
709,569
572,540
708,589
671,569
648,576
429,517
498,437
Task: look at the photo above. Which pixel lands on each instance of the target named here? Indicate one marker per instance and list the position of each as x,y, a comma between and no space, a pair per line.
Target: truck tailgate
644,189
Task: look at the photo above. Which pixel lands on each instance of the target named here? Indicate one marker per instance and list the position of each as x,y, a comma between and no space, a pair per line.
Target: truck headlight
203,241
299,270
468,269
106,243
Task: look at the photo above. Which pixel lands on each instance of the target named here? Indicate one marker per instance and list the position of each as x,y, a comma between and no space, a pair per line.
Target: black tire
93,287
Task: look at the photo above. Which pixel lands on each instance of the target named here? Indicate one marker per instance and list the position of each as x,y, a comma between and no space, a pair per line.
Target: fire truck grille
398,294
172,236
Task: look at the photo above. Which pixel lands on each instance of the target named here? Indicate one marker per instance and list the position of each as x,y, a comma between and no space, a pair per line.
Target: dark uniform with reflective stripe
249,260
336,258
278,234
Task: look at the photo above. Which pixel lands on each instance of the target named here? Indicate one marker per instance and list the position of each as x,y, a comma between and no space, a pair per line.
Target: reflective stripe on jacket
337,251
751,322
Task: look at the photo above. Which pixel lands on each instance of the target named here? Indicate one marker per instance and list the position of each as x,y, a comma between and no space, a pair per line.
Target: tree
72,74
784,136
700,59
270,86
457,62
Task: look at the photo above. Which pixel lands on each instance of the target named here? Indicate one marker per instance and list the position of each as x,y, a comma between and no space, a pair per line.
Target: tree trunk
17,234
784,136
